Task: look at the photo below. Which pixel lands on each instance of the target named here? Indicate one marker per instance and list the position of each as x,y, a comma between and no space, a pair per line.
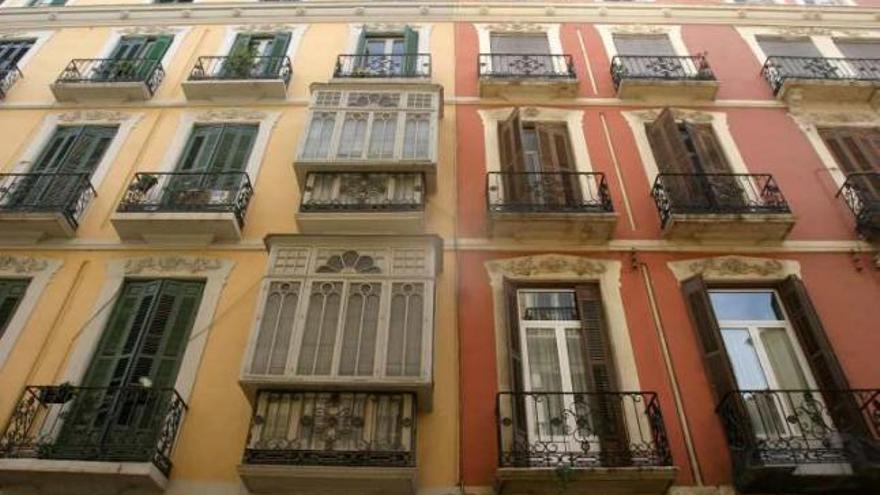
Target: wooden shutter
11,293
712,159
672,157
12,51
129,47
720,191
199,149
88,149
53,154
232,153
515,366
510,148
556,156
361,46
606,406
830,377
856,150
152,54
705,324
411,50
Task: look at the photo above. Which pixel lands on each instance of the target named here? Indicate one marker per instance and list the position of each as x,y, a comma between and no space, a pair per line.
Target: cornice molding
734,268
789,17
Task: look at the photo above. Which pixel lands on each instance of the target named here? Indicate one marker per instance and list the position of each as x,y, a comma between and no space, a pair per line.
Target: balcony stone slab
328,480
586,481
30,227
539,226
361,222
76,92
679,91
528,87
176,227
213,89
80,477
722,227
798,91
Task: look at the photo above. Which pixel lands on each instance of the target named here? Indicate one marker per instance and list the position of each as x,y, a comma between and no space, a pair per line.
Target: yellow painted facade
215,428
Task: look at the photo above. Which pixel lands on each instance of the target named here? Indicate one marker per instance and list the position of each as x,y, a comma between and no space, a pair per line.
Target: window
350,316
695,167
646,45
762,349
214,159
521,54
382,126
776,47
520,44
11,52
257,54
46,3
387,53
859,48
11,293
857,152
142,346
141,47
537,162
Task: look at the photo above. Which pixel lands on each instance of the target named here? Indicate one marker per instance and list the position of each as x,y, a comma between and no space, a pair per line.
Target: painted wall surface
216,425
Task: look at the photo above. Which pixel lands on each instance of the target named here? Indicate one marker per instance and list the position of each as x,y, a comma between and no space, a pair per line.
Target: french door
765,356
120,409
551,337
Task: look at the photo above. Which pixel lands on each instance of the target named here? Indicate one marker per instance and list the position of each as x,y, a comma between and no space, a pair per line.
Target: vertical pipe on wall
670,372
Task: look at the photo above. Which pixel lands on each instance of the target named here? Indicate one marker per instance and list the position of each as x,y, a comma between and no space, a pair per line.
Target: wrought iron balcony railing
235,68
120,424
333,429
861,192
779,69
367,191
543,192
678,68
109,70
717,194
525,66
8,77
581,430
396,65
785,427
189,192
65,194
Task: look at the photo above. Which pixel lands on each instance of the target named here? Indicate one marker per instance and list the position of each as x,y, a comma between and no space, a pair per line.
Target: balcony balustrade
803,440
861,192
823,78
402,65
8,77
590,434
529,74
108,79
722,206
37,205
316,441
135,427
574,202
236,76
663,76
210,204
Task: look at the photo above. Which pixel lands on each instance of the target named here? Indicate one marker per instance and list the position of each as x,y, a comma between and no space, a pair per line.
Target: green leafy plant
240,62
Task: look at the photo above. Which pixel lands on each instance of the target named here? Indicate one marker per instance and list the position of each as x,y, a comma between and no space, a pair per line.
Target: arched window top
349,262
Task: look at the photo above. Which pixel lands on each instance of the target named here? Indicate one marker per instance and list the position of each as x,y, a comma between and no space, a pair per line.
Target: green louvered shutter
411,50
216,151
276,54
11,293
152,55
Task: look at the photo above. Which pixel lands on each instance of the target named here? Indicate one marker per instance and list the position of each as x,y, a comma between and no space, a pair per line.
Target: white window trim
822,38
756,2
607,32
834,3
565,269
484,34
39,272
573,120
213,271
735,268
810,123
354,33
265,121
718,120
125,121
40,39
179,34
296,33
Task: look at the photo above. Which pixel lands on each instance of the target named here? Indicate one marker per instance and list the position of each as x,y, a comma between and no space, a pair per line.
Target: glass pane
417,135
382,135
318,138
376,46
359,331
746,366
404,354
319,334
746,306
273,341
545,376
783,360
354,130
575,346
548,305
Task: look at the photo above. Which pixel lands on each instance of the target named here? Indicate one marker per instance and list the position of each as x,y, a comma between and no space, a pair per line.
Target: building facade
434,248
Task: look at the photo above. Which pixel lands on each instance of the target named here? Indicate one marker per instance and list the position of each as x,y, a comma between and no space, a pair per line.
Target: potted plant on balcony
240,62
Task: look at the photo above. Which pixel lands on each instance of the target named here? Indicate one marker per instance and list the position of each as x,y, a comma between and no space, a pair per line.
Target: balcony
527,75
541,205
651,77
378,67
86,440
607,442
8,77
199,207
35,206
722,207
108,79
388,203
235,77
822,79
803,441
331,442
861,192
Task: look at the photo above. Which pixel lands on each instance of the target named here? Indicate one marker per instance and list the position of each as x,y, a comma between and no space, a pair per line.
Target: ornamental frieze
166,264
549,264
22,264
